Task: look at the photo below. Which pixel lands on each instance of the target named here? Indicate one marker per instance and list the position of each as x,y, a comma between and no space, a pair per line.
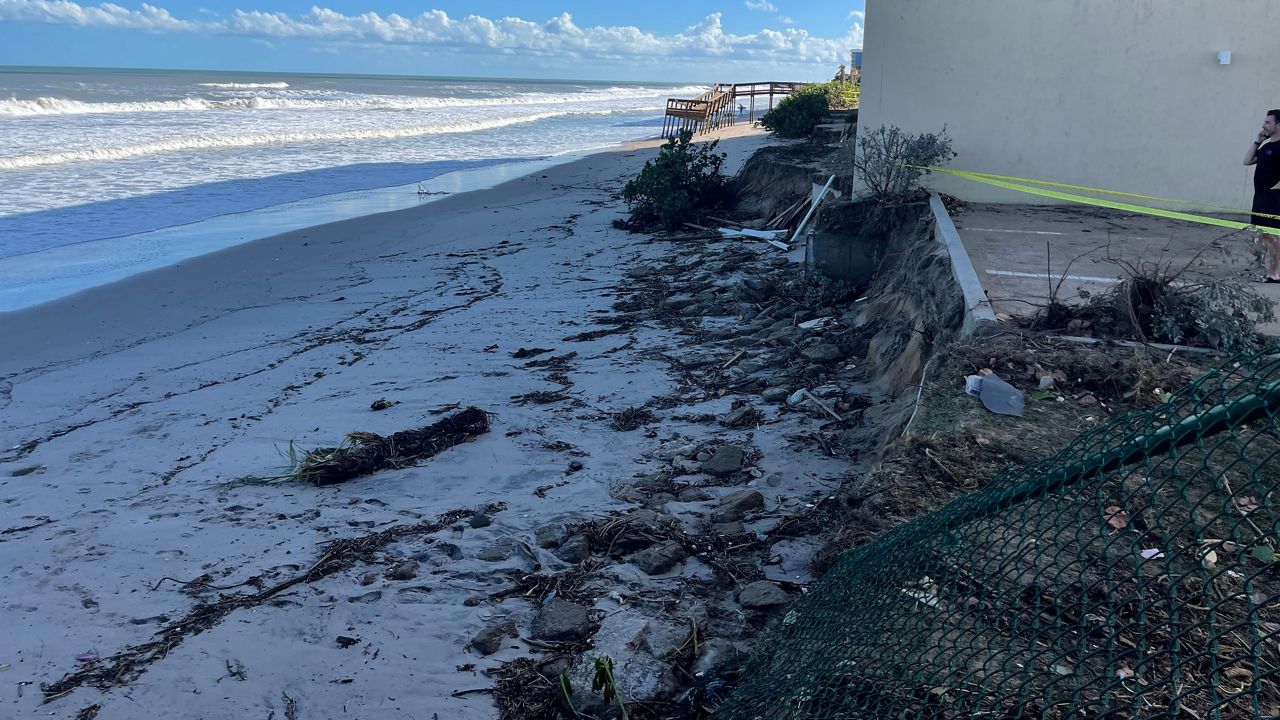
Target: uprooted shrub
676,187
1159,301
889,162
797,114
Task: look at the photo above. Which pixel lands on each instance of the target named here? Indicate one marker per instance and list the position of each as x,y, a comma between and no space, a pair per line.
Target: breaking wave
246,86
200,142
14,107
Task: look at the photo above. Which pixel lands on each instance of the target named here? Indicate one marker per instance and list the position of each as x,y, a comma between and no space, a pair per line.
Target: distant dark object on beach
364,453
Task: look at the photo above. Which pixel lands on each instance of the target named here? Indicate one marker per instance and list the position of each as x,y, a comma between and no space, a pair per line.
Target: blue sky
678,40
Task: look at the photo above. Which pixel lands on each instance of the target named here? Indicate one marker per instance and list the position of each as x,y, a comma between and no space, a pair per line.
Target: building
1146,96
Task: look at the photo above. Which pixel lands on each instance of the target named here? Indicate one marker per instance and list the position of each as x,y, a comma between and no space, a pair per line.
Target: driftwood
365,453
369,452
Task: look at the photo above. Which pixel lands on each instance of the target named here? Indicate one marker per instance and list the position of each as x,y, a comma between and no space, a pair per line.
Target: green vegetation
888,161
798,114
677,186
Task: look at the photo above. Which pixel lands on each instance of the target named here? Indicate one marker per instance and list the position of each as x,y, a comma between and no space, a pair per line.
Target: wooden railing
718,106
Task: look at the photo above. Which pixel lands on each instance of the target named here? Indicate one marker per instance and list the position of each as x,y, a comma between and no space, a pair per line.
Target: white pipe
812,206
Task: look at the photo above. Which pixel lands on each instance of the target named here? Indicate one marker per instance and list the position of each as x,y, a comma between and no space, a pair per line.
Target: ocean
104,173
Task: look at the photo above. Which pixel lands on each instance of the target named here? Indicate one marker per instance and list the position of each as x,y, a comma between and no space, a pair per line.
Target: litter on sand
997,395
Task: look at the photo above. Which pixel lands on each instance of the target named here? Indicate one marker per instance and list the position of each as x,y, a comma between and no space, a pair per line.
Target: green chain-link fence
1134,574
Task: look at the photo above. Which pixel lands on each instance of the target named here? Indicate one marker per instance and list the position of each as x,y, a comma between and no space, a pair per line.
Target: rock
489,640
551,536
1088,401
659,558
656,482
574,550
642,271
626,492
660,499
729,528
693,494
449,550
638,646
497,552
736,505
751,366
775,394
827,391
685,466
678,302
717,656
406,570
561,620
774,479
813,372
368,579
777,382
702,456
824,353
727,460
480,520
796,398
575,466
762,594
739,416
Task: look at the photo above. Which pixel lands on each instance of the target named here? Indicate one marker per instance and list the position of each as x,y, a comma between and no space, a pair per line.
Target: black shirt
1267,174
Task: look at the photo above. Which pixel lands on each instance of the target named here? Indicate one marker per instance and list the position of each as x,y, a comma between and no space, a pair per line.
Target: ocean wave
14,107
246,86
205,142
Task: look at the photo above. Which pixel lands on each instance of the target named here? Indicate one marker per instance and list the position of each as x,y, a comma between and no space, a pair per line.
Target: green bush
799,113
675,187
888,161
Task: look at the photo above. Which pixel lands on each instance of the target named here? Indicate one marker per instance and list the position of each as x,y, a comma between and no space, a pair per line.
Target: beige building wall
1122,94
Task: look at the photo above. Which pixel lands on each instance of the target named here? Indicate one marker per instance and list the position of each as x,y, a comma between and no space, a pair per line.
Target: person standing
1265,154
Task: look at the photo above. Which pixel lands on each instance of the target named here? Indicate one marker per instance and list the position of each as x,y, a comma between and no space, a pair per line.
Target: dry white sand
125,409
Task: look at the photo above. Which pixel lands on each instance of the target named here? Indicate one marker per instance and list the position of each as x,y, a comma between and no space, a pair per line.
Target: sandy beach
126,410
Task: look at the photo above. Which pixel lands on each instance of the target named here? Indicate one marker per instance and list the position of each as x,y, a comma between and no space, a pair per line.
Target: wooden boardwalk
718,106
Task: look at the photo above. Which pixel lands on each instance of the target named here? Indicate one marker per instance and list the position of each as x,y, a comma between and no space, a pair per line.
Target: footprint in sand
368,597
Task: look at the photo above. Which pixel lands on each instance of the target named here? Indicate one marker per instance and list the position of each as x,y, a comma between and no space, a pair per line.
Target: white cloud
785,20
764,5
559,37
148,17
857,15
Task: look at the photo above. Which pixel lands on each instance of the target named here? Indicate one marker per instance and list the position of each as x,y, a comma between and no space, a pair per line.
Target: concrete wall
1122,94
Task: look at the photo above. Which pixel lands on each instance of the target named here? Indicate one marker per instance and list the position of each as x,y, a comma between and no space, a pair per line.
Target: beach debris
489,640
524,353
817,323
123,667
727,460
997,395
761,595
364,453
346,641
89,713
383,404
631,419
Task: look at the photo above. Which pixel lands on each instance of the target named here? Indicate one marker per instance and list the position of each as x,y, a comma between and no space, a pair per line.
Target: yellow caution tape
1026,185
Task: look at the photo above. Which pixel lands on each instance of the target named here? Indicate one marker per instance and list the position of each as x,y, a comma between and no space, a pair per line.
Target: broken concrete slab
728,459
561,620
761,595
489,640
736,505
659,558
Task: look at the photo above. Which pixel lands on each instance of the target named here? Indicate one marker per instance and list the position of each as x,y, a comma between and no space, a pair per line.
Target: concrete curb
977,310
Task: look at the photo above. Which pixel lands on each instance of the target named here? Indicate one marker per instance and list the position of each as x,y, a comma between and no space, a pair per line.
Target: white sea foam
246,86
202,142
14,107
